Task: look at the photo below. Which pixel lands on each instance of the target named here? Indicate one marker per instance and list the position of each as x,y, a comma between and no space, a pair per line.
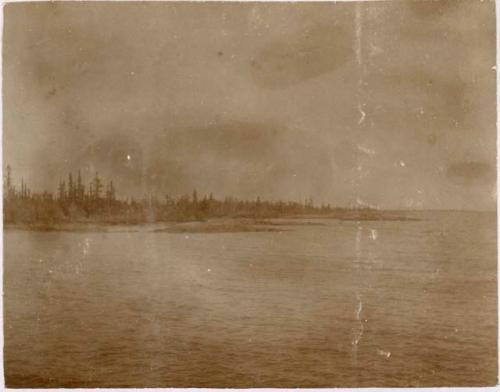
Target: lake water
382,303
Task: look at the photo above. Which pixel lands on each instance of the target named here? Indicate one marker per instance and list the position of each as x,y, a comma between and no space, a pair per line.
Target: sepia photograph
249,194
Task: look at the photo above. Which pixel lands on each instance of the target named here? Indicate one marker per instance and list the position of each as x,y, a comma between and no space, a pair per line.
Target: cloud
471,173
243,159
301,56
432,9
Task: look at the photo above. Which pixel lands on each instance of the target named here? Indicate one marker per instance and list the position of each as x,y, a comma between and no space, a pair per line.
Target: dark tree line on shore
97,202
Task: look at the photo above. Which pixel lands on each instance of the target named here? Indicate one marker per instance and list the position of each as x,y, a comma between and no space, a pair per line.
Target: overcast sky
387,104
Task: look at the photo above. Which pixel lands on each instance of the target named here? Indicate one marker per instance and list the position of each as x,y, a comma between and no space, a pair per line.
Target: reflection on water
346,304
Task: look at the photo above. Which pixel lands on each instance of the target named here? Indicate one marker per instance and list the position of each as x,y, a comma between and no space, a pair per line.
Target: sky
382,104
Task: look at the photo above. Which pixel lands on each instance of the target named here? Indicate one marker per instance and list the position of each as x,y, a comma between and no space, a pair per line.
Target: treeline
97,203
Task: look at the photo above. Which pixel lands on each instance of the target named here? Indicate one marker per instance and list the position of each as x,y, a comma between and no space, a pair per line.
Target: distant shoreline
212,225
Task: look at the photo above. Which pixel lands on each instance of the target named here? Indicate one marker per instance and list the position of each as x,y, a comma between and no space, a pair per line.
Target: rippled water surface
382,303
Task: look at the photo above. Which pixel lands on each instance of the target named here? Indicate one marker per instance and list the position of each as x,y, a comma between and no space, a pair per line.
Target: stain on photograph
249,194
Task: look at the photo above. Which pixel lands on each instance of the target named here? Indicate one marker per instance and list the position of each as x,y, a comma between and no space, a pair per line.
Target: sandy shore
210,226
216,225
